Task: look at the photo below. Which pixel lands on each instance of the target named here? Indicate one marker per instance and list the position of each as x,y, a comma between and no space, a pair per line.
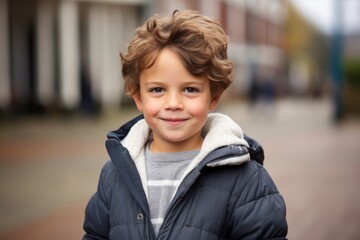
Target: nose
173,102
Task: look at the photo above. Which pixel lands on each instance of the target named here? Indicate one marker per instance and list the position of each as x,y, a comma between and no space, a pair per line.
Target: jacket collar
219,131
224,144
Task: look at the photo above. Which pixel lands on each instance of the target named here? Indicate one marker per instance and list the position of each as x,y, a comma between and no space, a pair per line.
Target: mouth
174,122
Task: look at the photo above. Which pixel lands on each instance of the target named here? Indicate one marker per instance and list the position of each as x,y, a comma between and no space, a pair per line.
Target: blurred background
296,90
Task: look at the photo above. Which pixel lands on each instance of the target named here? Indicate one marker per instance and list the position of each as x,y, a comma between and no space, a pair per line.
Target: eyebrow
192,81
154,83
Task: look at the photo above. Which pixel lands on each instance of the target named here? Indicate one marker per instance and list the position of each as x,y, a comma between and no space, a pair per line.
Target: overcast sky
322,13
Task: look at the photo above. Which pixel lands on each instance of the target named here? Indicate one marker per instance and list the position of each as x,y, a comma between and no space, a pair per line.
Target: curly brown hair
200,42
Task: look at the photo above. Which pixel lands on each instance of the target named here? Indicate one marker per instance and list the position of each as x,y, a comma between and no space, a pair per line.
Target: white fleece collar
219,130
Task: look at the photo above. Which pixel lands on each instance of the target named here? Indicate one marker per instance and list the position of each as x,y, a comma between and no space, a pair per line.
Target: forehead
169,67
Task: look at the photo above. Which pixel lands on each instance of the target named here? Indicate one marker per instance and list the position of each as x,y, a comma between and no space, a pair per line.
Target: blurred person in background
178,171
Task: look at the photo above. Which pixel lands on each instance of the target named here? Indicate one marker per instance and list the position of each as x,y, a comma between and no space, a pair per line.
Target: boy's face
175,104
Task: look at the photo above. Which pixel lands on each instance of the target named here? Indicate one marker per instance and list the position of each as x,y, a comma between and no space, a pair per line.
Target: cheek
198,108
151,108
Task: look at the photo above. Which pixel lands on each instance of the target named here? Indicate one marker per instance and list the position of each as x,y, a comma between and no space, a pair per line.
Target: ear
138,102
214,101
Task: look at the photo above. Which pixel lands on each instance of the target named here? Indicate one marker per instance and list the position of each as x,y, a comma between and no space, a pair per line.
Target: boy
182,172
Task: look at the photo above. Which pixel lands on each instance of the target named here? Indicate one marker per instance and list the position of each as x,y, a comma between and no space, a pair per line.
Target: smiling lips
174,122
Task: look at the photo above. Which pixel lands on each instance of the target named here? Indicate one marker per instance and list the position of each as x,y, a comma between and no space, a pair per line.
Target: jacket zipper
148,229
176,204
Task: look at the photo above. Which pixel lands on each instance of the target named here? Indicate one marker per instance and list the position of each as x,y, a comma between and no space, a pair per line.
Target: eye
191,90
156,90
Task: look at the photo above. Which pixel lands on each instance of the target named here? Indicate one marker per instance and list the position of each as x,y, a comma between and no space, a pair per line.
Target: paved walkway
49,168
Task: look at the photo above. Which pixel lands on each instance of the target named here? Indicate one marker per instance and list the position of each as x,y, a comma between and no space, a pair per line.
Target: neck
171,147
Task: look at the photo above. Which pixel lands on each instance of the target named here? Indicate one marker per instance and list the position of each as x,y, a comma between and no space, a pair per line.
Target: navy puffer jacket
225,194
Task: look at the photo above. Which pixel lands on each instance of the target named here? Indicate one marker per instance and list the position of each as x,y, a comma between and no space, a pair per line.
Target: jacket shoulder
258,206
235,178
253,182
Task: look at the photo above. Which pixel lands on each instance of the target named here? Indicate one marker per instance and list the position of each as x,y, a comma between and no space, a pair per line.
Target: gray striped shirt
164,171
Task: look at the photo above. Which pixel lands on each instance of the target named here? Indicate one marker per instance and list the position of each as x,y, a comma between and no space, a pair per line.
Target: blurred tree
352,86
307,47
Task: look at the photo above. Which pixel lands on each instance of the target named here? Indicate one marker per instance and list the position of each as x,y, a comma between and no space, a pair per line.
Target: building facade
65,53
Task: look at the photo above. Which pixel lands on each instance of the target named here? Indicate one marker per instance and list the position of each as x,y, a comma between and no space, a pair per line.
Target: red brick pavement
63,223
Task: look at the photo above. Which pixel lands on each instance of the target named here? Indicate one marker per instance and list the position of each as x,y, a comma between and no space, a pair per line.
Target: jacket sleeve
260,211
96,223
